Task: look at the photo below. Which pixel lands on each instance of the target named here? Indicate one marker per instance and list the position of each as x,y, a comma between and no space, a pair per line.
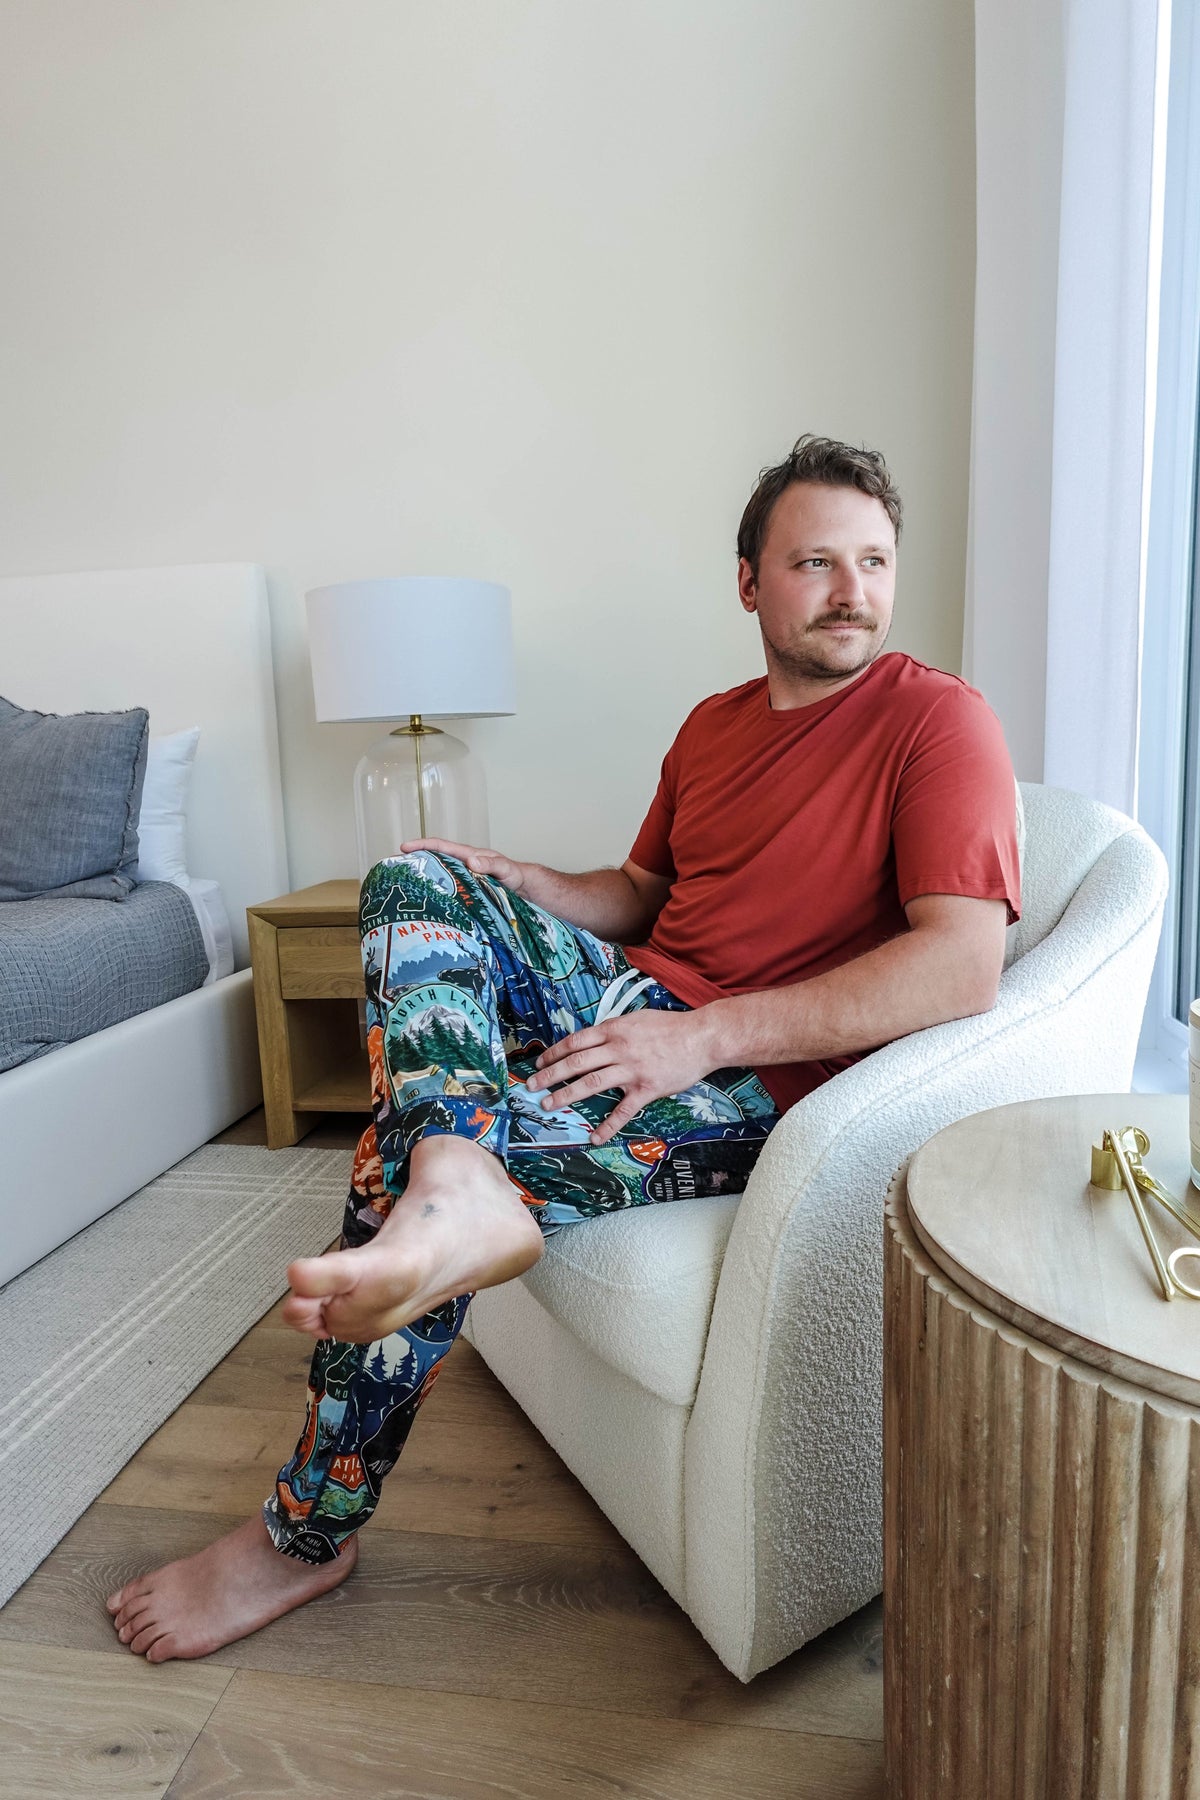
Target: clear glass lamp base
417,782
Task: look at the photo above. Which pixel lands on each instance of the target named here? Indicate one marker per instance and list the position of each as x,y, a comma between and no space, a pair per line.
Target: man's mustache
843,619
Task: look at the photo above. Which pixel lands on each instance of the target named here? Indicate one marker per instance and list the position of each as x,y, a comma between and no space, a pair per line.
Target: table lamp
421,646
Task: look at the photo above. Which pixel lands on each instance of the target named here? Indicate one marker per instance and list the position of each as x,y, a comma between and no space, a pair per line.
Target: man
829,863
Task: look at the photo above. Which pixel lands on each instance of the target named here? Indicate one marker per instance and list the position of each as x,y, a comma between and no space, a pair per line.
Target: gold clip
1116,1164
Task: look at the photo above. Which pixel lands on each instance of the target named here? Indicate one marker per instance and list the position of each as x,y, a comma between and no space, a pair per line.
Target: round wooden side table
1041,1467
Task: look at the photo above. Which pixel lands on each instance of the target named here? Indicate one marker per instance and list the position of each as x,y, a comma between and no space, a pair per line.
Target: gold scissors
1117,1163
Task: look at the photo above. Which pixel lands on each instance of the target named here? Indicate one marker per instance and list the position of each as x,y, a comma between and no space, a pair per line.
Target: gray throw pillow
70,795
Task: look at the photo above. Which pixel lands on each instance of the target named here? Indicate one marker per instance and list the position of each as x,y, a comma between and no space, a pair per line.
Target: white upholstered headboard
192,645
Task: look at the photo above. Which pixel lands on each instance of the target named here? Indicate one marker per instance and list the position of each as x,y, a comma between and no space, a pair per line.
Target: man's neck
788,693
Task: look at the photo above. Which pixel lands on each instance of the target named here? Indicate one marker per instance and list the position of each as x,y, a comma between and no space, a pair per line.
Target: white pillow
162,826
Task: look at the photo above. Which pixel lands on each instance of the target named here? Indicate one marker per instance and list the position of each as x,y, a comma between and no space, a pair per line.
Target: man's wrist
710,1023
735,1033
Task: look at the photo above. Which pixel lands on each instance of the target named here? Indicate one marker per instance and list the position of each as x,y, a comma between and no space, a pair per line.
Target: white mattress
215,929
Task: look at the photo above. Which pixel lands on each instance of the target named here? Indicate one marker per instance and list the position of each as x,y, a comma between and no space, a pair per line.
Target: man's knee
439,870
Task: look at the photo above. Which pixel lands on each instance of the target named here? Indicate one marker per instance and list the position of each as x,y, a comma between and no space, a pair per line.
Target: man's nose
847,587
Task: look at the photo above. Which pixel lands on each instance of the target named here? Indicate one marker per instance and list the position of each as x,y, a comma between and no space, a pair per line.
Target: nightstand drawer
320,963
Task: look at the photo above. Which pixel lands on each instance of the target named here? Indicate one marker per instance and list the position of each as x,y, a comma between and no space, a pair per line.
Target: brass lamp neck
417,727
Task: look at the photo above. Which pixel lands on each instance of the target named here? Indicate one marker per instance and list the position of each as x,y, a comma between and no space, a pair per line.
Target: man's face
825,586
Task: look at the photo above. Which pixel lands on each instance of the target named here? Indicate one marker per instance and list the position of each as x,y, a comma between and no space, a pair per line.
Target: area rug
106,1336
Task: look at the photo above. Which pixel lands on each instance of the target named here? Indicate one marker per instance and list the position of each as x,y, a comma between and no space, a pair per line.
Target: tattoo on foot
428,1208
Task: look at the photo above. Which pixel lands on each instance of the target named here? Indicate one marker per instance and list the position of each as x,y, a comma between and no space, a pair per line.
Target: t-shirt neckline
816,709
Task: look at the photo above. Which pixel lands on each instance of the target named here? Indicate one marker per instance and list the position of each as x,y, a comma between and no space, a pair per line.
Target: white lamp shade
416,644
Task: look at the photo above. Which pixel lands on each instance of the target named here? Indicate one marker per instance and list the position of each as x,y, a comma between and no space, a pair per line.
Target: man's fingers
599,1082
564,1054
467,853
439,844
565,1068
483,862
620,1115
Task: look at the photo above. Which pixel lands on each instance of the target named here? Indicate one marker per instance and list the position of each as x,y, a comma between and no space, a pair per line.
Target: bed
86,1125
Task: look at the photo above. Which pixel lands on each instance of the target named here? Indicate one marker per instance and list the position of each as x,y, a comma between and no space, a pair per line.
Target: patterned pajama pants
466,984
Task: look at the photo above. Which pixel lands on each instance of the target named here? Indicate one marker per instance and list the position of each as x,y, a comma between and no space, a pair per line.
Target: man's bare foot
460,1225
241,1582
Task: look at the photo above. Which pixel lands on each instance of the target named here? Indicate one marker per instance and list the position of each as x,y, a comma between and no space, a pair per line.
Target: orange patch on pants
379,1086
348,1471
367,1174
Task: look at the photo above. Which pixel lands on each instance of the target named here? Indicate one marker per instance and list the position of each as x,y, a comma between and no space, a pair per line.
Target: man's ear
747,586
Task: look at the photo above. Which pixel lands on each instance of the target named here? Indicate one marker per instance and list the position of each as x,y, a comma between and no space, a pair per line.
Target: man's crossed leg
462,1174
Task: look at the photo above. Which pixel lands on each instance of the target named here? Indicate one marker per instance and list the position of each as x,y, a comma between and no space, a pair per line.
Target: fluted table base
1042,1560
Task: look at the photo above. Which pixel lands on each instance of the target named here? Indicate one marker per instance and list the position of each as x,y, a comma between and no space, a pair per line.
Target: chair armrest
784,1446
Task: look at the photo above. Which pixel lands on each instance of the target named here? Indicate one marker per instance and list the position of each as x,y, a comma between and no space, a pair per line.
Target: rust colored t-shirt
794,839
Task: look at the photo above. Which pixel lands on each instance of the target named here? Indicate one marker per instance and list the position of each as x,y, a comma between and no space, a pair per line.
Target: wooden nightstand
304,951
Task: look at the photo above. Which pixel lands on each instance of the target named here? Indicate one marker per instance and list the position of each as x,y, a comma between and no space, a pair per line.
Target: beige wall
524,289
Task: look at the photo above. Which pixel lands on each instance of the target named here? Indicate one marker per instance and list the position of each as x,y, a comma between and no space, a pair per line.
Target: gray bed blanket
70,967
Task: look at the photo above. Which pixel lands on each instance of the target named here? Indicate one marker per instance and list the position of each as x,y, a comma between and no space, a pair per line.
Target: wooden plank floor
498,1639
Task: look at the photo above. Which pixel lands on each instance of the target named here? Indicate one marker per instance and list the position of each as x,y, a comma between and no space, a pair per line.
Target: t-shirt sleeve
954,827
652,846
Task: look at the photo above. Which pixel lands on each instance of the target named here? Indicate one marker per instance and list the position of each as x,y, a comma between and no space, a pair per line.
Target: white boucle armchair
711,1370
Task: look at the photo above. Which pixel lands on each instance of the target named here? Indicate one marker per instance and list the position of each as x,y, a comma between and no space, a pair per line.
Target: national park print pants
467,983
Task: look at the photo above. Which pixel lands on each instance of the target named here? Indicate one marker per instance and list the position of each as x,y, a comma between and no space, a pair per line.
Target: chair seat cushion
636,1287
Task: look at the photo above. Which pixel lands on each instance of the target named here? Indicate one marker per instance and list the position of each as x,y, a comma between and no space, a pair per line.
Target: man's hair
815,459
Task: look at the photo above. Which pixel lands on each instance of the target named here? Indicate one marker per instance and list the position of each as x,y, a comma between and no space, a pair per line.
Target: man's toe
149,1633
303,1314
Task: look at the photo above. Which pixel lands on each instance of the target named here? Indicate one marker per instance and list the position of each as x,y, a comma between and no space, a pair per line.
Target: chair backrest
1065,835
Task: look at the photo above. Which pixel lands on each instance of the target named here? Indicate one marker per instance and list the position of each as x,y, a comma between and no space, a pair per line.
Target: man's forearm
913,981
603,901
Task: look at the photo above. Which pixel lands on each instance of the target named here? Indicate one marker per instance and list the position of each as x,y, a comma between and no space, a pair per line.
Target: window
1169,739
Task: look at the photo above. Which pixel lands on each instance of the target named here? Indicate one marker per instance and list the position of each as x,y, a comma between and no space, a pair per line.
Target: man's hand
483,862
648,1055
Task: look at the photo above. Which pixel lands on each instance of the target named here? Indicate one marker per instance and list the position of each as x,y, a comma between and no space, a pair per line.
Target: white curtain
1066,141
